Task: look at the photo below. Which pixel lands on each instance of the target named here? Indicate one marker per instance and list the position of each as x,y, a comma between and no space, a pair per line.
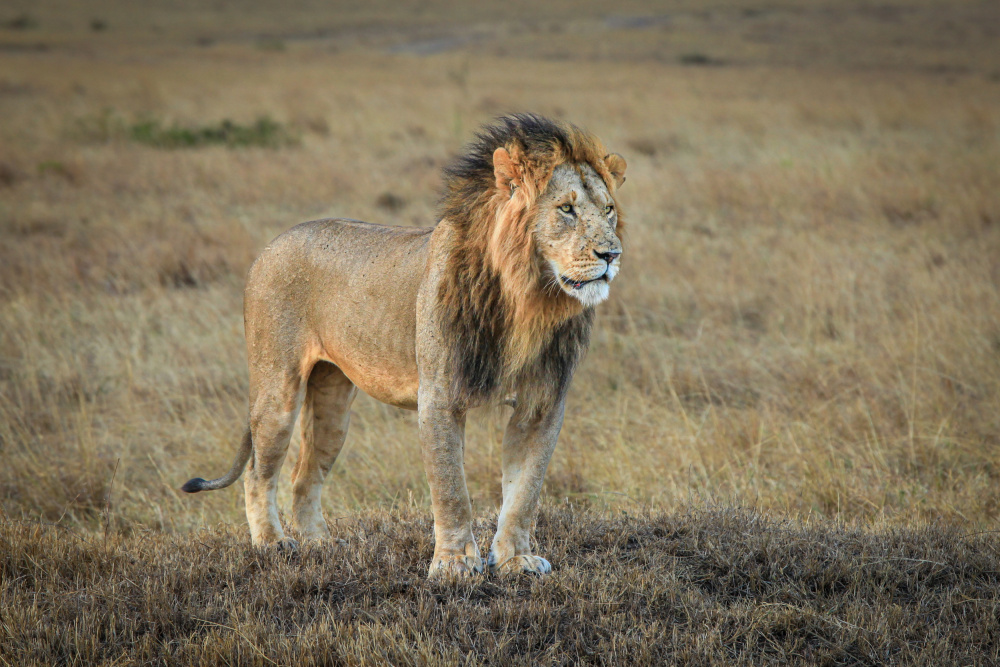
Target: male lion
493,303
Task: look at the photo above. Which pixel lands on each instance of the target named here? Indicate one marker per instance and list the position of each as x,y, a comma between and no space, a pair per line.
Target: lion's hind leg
275,403
326,413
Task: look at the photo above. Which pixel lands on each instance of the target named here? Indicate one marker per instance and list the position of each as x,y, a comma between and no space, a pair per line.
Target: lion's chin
591,293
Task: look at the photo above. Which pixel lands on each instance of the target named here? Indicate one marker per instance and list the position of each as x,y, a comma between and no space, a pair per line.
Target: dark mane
545,143
506,332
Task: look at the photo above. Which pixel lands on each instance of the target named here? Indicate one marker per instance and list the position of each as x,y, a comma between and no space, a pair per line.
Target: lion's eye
566,208
608,209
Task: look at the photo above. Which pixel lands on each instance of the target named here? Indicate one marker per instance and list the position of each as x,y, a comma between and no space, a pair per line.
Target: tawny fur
494,301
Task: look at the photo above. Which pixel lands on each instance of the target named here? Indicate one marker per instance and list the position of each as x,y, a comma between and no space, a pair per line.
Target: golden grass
808,318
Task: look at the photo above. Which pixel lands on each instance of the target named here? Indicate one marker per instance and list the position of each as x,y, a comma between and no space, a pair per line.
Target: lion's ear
505,169
616,165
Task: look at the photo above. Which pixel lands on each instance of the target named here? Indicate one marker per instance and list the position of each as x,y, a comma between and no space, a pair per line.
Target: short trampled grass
699,586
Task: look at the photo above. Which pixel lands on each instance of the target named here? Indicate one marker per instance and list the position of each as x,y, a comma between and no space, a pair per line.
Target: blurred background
808,317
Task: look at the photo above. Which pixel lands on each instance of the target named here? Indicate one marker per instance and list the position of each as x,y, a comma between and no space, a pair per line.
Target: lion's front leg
442,438
528,444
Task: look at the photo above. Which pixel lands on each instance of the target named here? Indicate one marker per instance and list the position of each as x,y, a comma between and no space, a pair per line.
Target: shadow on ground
700,586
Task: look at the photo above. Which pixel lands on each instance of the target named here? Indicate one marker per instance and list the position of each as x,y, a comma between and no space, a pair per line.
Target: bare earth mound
715,586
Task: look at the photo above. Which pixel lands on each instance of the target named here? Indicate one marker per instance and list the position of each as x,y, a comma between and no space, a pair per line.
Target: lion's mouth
577,284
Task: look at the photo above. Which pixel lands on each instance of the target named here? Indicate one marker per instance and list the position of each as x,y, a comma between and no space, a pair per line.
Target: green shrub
264,132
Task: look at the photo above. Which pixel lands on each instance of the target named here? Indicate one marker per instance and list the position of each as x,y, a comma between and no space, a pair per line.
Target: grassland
702,586
807,322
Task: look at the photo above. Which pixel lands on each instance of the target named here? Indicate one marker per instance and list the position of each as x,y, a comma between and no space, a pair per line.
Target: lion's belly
390,378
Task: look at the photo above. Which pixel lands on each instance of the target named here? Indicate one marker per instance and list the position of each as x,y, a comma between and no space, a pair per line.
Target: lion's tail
198,484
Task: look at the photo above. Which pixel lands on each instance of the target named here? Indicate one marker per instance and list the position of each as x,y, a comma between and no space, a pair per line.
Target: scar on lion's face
576,232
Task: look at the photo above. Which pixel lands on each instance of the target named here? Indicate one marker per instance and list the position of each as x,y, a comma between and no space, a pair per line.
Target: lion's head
533,204
575,229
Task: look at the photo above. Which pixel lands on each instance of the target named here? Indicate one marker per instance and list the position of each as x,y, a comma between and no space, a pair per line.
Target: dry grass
808,319
696,587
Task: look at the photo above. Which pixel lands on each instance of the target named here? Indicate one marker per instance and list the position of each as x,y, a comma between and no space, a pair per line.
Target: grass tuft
699,59
22,22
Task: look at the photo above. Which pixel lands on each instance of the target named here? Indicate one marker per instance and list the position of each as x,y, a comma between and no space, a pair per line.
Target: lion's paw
451,566
524,564
313,535
284,545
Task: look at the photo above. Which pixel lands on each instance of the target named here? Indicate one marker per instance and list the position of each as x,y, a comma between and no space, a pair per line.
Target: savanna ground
804,339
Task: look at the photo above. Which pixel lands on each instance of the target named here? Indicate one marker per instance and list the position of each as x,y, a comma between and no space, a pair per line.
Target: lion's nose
607,256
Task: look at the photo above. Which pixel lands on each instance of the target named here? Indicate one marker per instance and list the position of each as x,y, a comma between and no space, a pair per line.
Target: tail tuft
198,484
194,485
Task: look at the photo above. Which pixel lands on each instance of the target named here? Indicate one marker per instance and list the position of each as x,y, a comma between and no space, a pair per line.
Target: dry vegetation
696,587
808,319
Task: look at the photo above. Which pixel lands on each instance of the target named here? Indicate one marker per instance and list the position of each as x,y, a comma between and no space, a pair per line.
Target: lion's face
575,233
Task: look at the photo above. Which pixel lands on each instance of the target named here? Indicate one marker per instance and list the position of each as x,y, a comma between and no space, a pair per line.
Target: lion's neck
534,317
501,323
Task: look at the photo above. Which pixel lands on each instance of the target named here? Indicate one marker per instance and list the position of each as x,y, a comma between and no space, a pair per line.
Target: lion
492,305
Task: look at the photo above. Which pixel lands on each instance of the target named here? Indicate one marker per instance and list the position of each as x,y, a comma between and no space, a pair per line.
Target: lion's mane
506,329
